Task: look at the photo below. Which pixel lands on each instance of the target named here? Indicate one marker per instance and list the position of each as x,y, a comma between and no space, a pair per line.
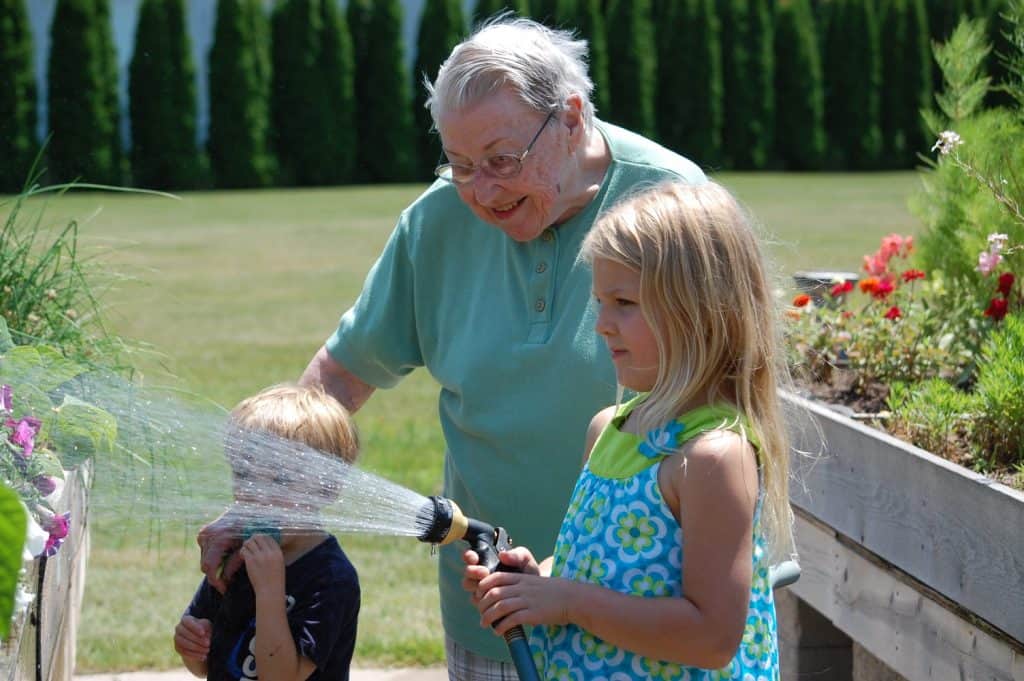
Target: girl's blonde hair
303,414
705,293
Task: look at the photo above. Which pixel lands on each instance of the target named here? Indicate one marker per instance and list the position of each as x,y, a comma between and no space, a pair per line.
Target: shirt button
547,235
539,305
542,267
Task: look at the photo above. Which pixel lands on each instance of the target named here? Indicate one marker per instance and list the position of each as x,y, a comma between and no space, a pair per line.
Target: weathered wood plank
956,531
902,626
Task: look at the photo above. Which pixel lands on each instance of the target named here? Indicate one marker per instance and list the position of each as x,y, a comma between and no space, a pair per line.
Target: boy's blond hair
303,414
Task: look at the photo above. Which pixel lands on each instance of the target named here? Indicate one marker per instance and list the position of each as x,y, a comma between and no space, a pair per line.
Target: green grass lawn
233,291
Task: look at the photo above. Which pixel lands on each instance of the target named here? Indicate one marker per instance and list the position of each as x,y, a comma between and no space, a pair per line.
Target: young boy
290,613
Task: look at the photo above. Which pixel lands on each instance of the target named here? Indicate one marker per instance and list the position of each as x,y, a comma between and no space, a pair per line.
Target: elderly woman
480,284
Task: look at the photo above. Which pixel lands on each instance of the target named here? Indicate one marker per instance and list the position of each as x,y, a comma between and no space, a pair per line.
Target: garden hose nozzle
446,524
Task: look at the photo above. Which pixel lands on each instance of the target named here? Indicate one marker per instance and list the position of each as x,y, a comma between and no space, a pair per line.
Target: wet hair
705,293
543,66
303,414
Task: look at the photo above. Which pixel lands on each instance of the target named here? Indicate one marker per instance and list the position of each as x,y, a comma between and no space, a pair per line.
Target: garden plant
928,343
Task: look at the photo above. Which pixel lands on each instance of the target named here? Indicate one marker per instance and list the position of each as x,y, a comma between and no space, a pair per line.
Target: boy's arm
277,656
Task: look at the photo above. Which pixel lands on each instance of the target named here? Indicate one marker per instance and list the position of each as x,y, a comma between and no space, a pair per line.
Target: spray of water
178,460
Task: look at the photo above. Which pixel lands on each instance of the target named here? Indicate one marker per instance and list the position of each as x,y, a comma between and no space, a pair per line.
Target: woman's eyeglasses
502,166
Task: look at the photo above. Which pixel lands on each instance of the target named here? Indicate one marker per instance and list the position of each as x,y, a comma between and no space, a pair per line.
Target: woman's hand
192,638
264,563
218,544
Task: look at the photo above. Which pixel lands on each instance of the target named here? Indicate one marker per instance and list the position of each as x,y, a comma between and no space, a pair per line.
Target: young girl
660,570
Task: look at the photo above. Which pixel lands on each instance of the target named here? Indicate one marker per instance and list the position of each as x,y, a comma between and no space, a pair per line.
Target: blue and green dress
620,534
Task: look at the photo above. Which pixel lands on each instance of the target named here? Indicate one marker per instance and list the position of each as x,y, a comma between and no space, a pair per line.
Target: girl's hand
519,557
265,564
506,599
192,638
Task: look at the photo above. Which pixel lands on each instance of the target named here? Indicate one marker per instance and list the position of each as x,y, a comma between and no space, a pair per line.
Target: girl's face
522,206
620,321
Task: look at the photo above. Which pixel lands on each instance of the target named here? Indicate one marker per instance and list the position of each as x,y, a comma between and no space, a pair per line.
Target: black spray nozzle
442,520
444,523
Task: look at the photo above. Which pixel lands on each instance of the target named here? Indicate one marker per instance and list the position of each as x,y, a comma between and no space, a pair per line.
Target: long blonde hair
705,293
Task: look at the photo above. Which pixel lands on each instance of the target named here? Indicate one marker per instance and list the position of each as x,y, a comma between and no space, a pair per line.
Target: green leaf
12,542
80,429
5,336
39,365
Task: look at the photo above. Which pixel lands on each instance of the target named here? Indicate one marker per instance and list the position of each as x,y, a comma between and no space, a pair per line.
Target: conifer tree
748,72
485,9
689,100
82,113
853,86
632,66
312,101
358,15
18,103
943,16
545,11
799,91
587,16
239,87
906,81
111,91
390,141
162,101
441,28
337,73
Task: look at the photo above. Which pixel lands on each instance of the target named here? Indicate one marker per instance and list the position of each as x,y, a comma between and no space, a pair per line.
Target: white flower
947,142
35,538
22,599
996,242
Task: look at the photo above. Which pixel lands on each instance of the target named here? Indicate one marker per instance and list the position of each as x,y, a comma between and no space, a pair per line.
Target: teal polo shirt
507,330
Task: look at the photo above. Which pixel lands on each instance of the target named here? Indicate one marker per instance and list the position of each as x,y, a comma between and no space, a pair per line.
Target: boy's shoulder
325,563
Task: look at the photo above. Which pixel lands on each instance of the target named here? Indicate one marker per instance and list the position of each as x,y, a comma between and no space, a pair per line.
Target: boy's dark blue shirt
322,593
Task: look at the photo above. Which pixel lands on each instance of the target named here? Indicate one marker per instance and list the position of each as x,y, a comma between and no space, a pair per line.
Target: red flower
997,309
1006,280
911,275
894,313
841,288
847,314
868,285
801,300
883,289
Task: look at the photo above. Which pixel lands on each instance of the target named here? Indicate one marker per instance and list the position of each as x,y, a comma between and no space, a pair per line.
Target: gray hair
543,66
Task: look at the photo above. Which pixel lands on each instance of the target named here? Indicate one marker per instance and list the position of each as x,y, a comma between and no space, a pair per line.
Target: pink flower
891,246
23,433
1006,280
988,261
5,398
58,527
876,265
894,313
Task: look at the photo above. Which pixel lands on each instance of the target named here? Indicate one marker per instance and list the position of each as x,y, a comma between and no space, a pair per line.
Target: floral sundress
620,534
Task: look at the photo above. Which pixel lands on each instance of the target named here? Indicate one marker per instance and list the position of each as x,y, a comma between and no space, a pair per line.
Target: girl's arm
277,657
713,491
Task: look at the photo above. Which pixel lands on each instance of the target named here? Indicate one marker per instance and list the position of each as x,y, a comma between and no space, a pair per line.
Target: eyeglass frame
483,165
